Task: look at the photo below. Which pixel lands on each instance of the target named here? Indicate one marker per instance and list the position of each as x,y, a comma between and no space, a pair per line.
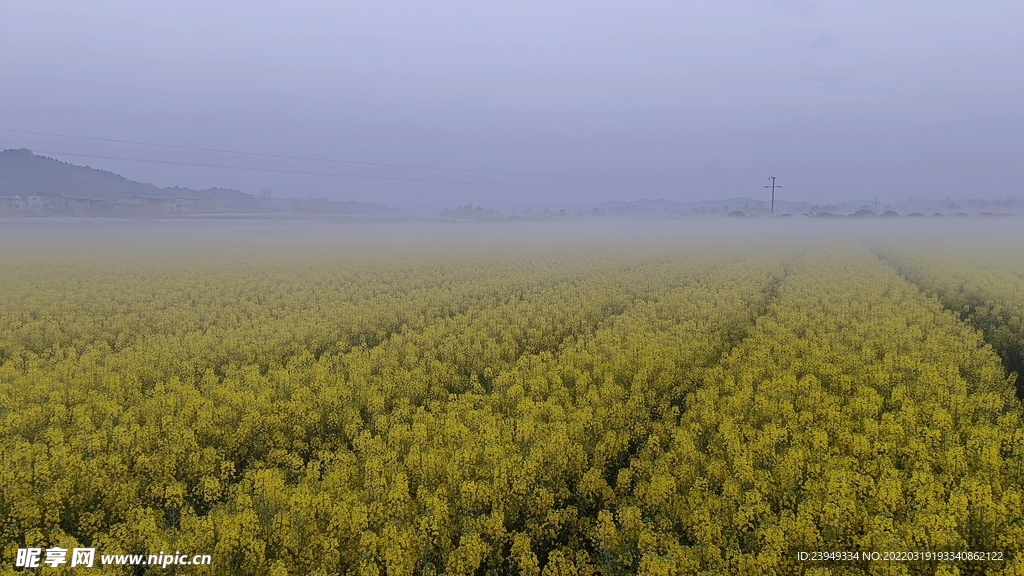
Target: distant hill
24,174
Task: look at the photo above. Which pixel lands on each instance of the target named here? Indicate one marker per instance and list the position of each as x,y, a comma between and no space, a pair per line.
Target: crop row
141,405
986,292
612,411
857,416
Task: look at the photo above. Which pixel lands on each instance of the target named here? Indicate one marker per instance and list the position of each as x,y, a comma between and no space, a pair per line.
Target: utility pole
773,187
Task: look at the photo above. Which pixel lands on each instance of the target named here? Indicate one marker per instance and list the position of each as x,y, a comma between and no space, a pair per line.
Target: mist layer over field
989,234
656,397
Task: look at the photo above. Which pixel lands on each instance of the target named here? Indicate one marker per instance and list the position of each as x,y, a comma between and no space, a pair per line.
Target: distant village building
163,205
81,206
54,203
181,205
140,204
78,204
129,204
10,205
206,205
152,205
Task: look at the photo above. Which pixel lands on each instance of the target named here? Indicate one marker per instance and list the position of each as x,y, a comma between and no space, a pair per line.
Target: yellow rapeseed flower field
548,408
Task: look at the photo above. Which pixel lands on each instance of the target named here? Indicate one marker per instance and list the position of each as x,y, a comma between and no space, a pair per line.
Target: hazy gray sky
683,100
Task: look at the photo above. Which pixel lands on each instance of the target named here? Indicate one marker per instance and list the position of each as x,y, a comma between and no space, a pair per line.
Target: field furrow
988,297
857,416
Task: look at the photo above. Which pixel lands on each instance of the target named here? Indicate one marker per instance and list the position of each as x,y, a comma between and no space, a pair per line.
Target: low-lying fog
167,238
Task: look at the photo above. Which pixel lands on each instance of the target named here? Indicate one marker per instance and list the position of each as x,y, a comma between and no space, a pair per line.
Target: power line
792,196
391,178
331,160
